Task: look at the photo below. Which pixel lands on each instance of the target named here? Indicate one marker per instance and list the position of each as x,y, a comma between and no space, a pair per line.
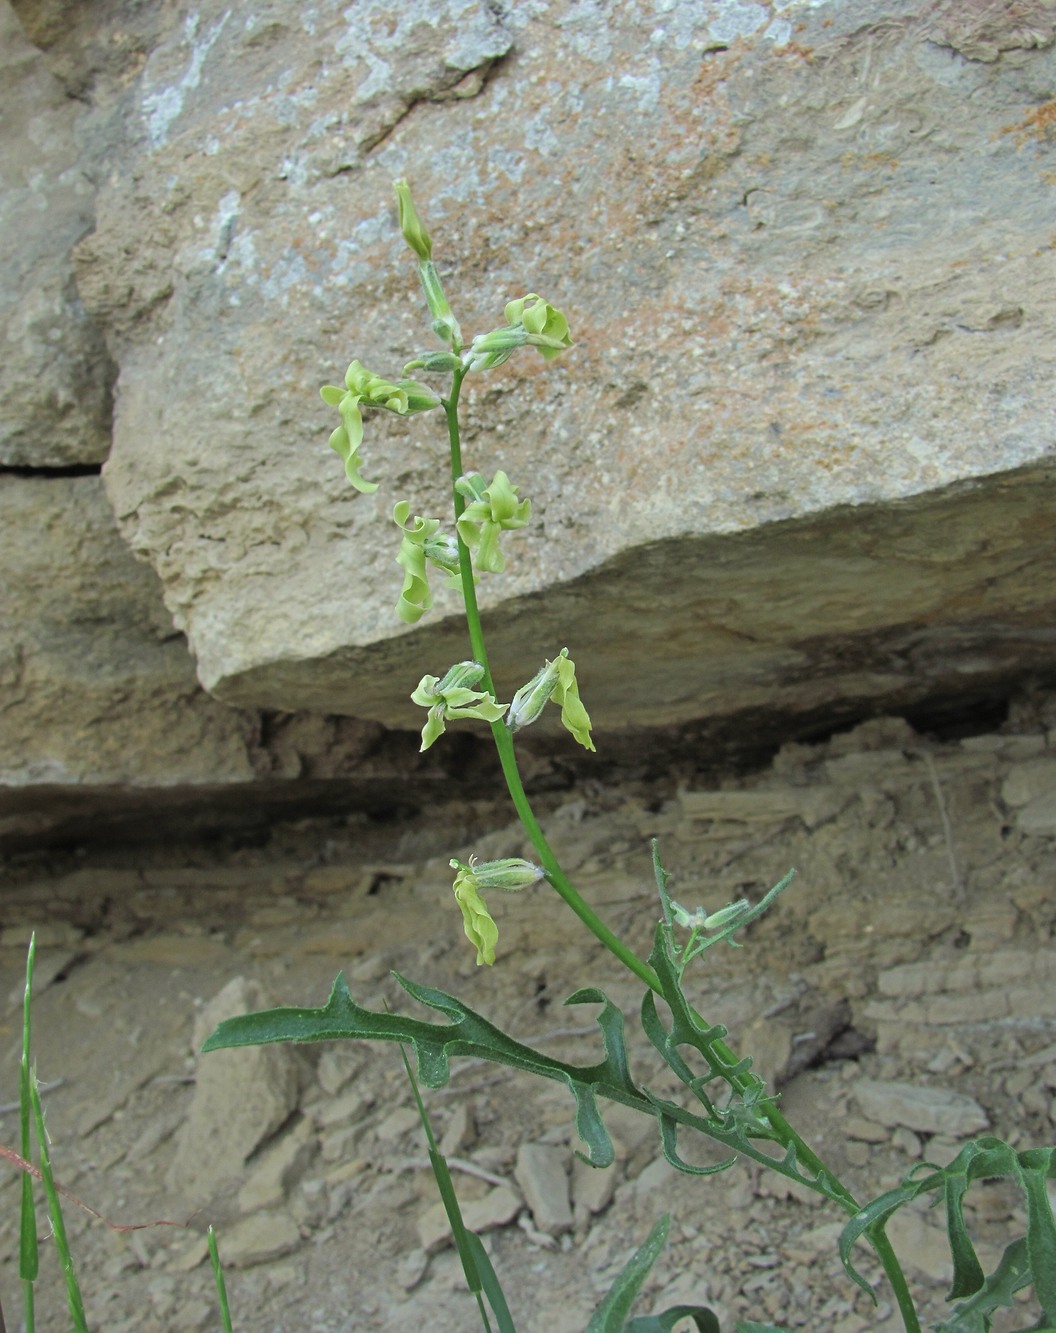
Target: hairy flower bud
557,681
510,875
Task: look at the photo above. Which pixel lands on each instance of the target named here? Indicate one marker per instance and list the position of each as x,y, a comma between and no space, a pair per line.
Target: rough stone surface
259,1239
55,374
804,443
749,250
97,687
241,1097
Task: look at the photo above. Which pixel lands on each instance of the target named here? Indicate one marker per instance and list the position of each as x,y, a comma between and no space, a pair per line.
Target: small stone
927,1109
906,1142
259,1239
868,1131
658,1175
189,1256
1028,781
349,1106
592,1190
394,1124
460,1132
282,1163
921,1245
1039,816
413,1266
241,1097
540,1172
335,1069
497,1208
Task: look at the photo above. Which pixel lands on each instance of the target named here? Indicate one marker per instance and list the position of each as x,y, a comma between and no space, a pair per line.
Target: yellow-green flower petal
557,681
481,930
491,511
341,445
574,716
509,874
453,697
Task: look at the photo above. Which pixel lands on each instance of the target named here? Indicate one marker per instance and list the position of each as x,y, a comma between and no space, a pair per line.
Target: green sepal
411,225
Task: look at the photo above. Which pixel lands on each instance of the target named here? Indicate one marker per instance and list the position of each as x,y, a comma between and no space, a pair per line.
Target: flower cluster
363,387
530,322
455,696
491,510
470,881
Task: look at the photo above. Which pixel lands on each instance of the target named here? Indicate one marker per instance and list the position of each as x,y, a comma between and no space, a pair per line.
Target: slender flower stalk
481,513
725,1061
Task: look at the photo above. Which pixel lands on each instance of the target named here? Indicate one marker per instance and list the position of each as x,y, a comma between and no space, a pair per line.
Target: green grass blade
221,1285
28,1254
467,1244
611,1314
490,1282
58,1225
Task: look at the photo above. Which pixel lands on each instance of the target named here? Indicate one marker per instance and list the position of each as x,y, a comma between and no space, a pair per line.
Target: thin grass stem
28,1253
58,1224
221,1285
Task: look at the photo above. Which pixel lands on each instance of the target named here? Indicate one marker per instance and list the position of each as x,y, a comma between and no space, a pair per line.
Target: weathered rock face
801,453
57,376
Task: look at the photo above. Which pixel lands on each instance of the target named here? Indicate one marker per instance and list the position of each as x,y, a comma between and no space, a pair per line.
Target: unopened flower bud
531,699
414,233
434,362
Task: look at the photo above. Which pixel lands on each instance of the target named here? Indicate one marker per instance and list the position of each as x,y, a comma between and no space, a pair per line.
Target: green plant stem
899,1287
724,1056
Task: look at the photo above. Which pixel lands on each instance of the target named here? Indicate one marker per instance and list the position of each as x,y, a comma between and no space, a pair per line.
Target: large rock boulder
801,454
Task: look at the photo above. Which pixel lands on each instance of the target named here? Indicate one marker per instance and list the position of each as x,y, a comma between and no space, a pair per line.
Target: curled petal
510,874
557,681
490,511
342,446
481,930
574,716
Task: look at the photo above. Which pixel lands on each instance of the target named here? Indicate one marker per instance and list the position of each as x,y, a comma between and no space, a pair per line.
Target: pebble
915,1106
497,1208
541,1172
